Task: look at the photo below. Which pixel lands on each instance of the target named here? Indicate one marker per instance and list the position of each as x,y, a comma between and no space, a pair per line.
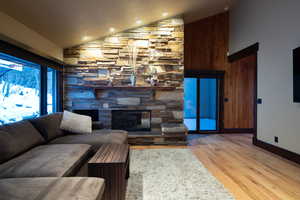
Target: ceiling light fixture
138,21
112,29
85,38
165,14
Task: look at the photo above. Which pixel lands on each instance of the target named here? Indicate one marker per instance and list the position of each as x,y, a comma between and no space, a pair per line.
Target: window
51,91
27,89
19,89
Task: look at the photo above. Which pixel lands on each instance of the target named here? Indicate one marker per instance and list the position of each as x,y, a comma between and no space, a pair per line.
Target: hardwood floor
248,172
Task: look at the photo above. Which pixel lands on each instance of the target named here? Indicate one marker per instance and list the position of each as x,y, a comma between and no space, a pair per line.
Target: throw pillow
76,123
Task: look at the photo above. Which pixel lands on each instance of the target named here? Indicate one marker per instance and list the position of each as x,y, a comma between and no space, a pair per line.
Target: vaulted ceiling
71,22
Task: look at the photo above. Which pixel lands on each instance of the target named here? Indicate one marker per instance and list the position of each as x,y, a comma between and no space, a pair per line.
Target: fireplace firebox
131,120
94,114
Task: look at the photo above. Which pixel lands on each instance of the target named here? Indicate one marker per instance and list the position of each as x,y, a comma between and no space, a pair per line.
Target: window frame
45,63
44,91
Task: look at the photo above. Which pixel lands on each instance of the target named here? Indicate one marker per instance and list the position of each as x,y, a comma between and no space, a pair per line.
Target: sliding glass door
208,106
201,105
190,103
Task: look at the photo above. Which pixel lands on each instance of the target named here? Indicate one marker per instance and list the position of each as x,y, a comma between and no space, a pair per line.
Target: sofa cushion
52,188
47,161
96,139
49,125
109,131
17,138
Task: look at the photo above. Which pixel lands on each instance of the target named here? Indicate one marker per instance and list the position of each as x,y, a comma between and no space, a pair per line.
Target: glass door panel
190,103
208,104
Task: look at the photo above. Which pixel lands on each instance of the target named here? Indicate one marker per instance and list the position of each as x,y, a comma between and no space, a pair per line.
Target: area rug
171,174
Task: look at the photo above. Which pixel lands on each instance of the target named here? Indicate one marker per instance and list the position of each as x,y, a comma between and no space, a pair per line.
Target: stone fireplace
165,105
98,76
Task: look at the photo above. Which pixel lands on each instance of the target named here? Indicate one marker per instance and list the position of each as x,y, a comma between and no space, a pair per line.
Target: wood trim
225,131
253,49
18,52
238,130
277,150
204,132
204,73
255,100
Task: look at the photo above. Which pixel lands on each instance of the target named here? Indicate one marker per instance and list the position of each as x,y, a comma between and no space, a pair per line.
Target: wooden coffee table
111,162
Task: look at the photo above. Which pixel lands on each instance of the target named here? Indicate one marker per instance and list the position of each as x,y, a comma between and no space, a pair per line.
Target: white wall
275,24
18,32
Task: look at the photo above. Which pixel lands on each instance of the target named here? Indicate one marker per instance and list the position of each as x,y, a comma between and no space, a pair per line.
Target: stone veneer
93,70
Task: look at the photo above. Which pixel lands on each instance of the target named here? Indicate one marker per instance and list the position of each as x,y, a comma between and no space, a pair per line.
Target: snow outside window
19,89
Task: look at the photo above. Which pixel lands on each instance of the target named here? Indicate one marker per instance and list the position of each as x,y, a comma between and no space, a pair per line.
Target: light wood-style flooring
248,172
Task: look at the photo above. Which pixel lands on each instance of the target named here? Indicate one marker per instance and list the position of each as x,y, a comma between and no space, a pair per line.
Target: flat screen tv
296,74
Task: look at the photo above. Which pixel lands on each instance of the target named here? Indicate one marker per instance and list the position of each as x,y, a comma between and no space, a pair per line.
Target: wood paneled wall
206,43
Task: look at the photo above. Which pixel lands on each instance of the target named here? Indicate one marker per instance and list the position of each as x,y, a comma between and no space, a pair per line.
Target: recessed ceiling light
165,14
85,38
112,29
138,21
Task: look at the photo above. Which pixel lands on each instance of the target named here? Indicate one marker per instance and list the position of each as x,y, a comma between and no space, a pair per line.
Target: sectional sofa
40,161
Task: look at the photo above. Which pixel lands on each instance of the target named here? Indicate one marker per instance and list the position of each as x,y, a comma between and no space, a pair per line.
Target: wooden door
240,94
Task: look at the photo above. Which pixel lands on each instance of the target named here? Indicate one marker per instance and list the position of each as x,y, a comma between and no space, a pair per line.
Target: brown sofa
51,188
37,148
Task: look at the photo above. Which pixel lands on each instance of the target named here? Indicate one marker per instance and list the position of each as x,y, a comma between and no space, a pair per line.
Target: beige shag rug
171,174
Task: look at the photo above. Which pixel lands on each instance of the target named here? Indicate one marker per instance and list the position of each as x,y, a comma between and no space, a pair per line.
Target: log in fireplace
131,120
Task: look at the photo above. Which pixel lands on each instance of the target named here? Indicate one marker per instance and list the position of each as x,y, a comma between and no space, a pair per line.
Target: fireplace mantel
95,87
